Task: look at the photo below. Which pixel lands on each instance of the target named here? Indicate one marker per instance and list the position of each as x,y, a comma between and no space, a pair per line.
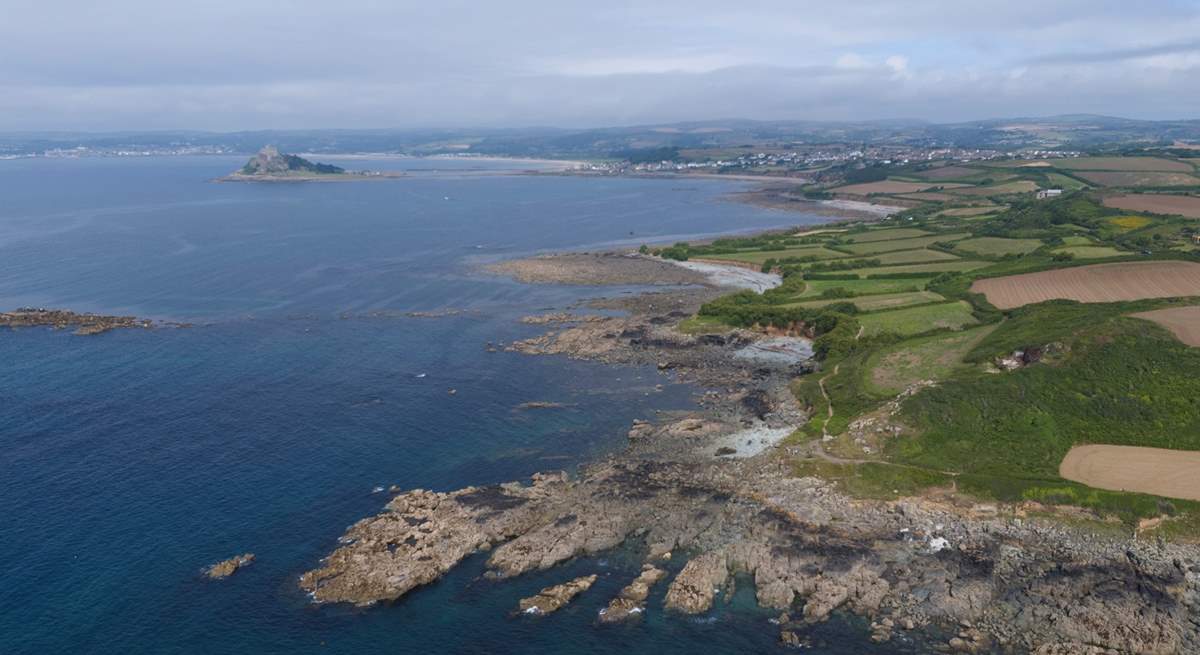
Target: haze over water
131,460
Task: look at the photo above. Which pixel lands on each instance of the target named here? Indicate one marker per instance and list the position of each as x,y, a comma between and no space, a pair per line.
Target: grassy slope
915,320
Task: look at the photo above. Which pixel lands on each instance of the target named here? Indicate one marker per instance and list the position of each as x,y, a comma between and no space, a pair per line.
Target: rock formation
226,568
632,599
551,599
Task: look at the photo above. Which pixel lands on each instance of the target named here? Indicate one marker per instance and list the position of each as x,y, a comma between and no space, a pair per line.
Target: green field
998,246
1091,252
880,301
758,256
814,288
936,267
891,370
916,320
1065,183
872,247
970,211
886,234
907,257
1076,240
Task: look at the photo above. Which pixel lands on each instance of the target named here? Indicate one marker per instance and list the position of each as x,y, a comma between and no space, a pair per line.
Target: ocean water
131,460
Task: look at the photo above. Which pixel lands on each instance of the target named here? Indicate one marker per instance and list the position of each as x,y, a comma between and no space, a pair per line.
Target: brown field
1157,204
1139,178
1183,322
1122,164
1156,471
1096,283
888,186
1020,186
947,173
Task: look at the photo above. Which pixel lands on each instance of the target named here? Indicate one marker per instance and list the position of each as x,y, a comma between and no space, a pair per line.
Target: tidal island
271,165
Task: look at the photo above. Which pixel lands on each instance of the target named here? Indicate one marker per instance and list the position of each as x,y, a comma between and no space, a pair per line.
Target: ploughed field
1183,322
1157,203
1093,284
1157,471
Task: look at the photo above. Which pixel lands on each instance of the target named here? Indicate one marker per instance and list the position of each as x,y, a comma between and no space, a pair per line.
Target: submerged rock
551,599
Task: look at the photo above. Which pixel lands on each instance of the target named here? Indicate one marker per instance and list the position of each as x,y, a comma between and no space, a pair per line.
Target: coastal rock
226,568
551,599
84,324
693,590
801,542
632,599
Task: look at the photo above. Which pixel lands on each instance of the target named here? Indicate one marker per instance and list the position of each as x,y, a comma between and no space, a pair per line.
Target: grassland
916,320
878,246
889,234
893,369
961,265
881,301
814,288
760,256
1090,252
998,246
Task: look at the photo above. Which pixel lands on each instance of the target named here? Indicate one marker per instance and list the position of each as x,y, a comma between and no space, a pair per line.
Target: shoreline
718,486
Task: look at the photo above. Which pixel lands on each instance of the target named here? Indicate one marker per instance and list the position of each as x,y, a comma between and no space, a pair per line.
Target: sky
257,64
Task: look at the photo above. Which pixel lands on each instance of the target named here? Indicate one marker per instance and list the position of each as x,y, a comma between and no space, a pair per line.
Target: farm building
1048,193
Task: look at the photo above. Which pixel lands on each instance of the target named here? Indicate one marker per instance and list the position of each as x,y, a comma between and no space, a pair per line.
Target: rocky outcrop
693,590
631,601
84,324
991,582
226,568
551,599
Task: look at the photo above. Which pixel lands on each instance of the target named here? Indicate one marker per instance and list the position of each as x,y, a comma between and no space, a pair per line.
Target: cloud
133,64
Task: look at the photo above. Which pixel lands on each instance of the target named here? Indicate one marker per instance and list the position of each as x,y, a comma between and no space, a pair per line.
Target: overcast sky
250,64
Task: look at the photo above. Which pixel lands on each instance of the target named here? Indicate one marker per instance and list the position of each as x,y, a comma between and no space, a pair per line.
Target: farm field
886,234
1019,186
1157,471
907,257
931,196
1065,183
888,187
892,370
758,256
971,211
1122,164
915,320
998,246
1156,204
1094,284
880,301
1183,322
1090,252
1139,178
873,247
813,288
933,268
947,173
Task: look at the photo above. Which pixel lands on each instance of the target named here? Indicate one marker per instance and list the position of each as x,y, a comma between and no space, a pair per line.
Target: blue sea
131,460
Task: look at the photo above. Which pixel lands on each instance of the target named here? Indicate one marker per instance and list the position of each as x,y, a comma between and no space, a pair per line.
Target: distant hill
269,162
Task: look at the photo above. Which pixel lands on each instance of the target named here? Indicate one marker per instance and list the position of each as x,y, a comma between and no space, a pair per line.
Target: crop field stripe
1157,471
1096,283
1183,322
872,247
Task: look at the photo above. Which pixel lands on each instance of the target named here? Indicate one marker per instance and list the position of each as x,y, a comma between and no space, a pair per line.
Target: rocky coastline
958,575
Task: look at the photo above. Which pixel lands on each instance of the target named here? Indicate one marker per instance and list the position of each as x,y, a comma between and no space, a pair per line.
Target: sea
131,460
